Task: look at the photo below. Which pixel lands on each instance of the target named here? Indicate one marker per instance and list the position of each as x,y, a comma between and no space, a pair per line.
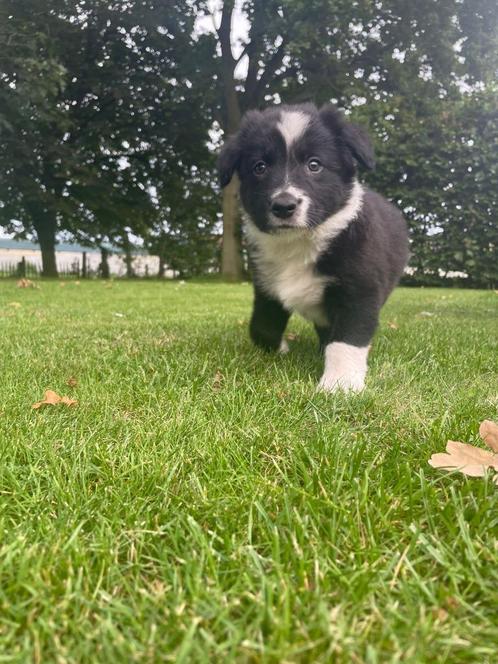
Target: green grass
176,516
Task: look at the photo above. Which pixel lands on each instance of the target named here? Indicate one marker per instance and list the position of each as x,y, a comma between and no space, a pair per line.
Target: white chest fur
285,264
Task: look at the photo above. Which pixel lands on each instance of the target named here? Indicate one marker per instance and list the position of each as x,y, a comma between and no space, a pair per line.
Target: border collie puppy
320,243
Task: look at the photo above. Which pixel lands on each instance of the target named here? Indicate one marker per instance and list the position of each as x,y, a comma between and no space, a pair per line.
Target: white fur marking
292,125
341,219
301,214
285,266
284,347
285,261
345,367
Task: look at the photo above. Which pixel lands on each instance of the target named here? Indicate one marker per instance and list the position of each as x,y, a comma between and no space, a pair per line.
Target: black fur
363,262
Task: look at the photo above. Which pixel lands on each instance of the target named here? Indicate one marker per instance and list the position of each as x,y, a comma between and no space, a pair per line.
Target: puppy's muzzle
284,205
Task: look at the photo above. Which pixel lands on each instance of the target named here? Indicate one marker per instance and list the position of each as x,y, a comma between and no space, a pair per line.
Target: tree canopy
100,108
110,113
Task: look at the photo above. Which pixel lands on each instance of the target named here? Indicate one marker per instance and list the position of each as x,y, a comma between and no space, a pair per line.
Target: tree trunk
231,258
128,257
104,270
162,267
45,227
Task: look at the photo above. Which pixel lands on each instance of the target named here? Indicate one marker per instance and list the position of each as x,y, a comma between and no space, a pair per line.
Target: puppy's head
296,164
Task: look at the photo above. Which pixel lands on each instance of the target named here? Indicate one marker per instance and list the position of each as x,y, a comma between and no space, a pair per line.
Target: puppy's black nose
284,205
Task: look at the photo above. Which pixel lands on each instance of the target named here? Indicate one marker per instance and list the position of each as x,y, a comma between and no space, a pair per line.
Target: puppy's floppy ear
229,159
354,137
359,143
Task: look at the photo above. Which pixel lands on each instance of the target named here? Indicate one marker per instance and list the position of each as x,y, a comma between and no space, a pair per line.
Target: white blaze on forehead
292,125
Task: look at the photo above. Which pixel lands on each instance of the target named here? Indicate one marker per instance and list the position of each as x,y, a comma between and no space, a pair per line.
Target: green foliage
114,113
187,240
420,76
437,161
105,109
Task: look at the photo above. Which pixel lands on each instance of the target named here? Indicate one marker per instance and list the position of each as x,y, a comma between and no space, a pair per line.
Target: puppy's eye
314,165
259,168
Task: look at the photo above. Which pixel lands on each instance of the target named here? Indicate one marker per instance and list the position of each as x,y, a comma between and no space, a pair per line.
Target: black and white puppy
320,243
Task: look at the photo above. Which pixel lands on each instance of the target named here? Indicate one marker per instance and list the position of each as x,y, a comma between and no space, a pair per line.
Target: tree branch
244,52
254,49
224,32
232,106
256,94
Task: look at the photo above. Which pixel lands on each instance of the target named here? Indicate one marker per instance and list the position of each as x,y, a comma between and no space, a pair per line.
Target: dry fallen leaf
15,305
489,433
452,602
468,459
51,398
218,381
392,325
26,283
67,401
440,614
72,382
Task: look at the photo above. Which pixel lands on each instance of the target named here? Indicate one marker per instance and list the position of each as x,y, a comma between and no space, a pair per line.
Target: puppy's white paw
284,347
345,368
351,383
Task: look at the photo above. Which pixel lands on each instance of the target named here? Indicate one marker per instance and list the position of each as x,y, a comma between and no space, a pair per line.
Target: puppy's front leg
268,322
346,350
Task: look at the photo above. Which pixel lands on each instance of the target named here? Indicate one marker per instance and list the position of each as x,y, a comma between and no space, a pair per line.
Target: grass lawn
203,504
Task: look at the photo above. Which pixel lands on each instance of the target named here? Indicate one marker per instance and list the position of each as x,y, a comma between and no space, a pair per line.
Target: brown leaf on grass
72,382
67,401
468,459
218,381
51,398
452,603
440,614
15,305
26,283
392,326
489,433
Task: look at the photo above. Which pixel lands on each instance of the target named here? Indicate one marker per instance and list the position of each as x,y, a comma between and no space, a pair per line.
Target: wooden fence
24,268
